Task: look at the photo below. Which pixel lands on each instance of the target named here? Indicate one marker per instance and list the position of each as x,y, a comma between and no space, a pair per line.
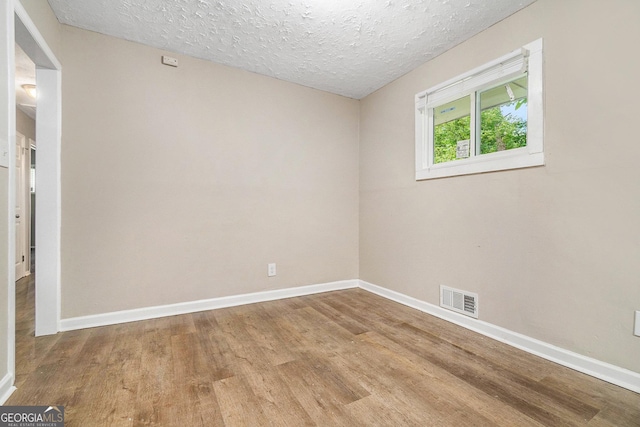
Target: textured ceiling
348,47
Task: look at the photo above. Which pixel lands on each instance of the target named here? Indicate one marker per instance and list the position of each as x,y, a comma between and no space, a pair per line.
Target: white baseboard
596,368
6,388
146,313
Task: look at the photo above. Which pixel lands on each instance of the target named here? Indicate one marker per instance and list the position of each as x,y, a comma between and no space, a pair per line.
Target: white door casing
30,217
20,207
16,26
22,30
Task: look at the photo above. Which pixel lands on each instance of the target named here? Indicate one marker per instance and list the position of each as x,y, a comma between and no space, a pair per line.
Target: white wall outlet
271,269
636,330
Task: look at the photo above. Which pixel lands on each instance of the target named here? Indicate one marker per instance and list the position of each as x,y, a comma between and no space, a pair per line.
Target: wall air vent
460,301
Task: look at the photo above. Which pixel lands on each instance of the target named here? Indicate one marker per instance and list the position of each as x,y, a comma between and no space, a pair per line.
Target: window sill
507,160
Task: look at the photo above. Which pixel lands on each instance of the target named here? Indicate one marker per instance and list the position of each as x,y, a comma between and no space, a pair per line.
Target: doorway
18,28
26,110
25,279
48,131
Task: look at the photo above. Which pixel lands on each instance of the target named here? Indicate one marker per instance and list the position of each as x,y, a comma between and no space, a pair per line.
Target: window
488,119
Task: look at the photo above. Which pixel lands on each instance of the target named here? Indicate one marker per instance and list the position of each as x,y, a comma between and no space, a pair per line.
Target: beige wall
180,184
552,251
25,125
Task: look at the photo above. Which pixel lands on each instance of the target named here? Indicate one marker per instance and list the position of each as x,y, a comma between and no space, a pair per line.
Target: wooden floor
345,358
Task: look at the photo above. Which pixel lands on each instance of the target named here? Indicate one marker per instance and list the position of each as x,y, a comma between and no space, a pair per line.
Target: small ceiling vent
460,301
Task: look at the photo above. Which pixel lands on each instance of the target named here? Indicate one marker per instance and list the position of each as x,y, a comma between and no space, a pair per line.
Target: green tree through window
500,128
446,138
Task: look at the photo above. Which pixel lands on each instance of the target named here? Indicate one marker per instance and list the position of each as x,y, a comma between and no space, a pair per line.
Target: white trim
503,160
25,32
500,70
6,388
514,59
21,141
27,189
7,15
147,313
48,200
37,43
587,365
505,68
595,368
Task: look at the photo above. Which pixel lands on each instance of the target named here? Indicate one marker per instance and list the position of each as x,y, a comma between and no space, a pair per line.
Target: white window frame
529,59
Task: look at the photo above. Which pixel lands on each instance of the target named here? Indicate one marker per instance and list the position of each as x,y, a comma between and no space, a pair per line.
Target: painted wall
181,184
552,251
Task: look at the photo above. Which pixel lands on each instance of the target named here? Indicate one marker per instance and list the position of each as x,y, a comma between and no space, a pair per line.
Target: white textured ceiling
348,47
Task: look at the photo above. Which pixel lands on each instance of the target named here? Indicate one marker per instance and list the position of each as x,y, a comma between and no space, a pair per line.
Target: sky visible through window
510,108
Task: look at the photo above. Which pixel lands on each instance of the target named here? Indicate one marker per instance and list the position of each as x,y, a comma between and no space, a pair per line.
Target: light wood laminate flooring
344,358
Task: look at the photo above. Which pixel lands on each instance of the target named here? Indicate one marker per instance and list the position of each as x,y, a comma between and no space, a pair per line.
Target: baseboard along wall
147,313
596,368
587,365
6,388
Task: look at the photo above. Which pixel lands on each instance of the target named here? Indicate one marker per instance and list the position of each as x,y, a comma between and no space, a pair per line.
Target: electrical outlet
271,269
636,330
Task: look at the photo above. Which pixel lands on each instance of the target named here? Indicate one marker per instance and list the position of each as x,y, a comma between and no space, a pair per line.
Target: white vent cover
461,301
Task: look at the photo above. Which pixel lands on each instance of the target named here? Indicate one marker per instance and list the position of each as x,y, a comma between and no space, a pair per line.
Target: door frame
48,197
24,204
31,227
19,28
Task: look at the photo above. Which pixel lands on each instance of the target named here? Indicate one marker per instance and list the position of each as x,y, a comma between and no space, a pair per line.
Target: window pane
503,117
452,130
